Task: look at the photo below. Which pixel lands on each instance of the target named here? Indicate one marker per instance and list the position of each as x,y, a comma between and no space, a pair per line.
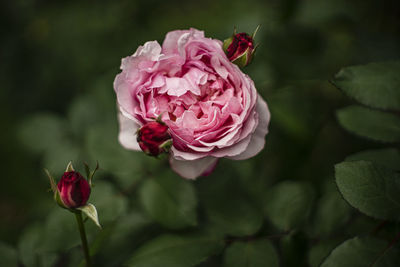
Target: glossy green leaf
361,252
372,189
288,204
169,200
387,157
375,84
372,124
255,253
175,251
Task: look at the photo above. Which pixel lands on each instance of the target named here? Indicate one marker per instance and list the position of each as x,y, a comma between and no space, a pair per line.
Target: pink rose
212,109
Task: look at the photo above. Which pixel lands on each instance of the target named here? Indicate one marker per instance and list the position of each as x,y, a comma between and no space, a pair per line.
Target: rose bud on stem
240,48
154,138
74,189
72,193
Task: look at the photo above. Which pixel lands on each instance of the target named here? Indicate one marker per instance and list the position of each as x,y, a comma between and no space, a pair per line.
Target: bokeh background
58,60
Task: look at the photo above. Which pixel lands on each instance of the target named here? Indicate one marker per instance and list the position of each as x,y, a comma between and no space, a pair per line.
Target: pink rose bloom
211,107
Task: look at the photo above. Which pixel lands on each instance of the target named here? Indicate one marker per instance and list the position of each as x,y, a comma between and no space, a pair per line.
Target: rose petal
257,141
191,169
182,155
127,133
151,50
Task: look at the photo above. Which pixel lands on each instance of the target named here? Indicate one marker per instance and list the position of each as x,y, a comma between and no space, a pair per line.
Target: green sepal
90,211
227,43
70,168
87,169
159,119
243,60
166,145
90,174
60,202
255,31
56,192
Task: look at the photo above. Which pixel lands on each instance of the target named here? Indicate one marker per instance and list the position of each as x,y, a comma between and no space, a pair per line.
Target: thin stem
85,246
391,244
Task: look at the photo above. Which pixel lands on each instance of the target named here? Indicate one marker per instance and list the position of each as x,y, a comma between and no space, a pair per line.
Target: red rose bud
154,138
240,48
74,190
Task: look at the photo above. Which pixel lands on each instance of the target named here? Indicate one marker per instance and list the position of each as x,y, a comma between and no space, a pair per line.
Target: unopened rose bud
74,190
154,138
240,48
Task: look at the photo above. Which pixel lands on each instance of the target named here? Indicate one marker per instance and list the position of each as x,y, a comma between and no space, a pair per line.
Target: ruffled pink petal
182,155
191,169
257,141
127,133
174,40
150,50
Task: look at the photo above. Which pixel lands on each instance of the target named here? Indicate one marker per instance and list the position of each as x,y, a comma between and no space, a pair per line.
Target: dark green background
54,52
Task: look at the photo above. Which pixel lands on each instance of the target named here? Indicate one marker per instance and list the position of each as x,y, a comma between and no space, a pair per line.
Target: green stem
85,246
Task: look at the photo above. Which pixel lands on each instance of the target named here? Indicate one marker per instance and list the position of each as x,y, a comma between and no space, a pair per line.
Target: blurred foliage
282,207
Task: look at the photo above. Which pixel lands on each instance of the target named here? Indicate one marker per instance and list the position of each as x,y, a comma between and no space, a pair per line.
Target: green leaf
83,113
115,244
169,200
373,124
32,249
293,249
288,204
320,251
127,166
370,188
230,212
255,253
28,245
291,109
332,212
361,252
175,251
387,157
90,211
110,203
49,134
376,84
60,154
8,255
42,132
60,232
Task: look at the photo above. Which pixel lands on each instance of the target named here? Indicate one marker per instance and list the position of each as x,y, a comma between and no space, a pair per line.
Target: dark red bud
154,138
242,43
74,189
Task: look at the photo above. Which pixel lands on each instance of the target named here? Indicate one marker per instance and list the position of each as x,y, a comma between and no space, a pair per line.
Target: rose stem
81,226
